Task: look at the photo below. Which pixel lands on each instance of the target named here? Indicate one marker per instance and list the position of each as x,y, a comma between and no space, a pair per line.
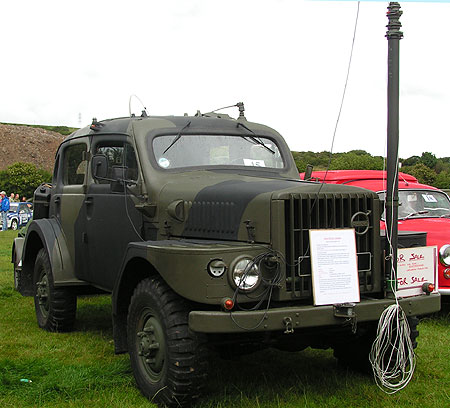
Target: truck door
111,218
66,203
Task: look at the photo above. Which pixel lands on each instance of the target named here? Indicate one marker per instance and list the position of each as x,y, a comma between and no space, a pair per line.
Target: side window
74,164
121,160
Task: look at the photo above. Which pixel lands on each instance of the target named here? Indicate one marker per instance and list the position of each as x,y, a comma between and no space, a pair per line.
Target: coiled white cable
392,356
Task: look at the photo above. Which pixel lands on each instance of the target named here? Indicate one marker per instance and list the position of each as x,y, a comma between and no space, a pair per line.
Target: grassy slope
64,130
79,369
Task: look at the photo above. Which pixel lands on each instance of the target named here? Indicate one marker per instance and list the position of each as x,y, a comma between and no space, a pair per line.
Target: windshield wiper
445,215
254,139
414,214
177,137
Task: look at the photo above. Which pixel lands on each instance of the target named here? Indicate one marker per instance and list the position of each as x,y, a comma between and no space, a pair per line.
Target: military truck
198,226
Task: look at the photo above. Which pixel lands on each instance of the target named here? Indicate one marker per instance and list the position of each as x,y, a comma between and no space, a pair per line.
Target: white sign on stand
416,266
334,266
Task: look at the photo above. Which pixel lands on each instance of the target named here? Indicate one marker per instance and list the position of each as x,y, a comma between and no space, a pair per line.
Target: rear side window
74,164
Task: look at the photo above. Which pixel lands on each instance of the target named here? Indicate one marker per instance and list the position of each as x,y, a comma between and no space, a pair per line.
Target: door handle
57,200
89,200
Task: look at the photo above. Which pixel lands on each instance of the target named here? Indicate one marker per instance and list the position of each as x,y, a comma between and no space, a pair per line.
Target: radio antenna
144,112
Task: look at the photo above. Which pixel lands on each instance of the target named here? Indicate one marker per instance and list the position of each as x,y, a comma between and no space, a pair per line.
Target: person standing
4,210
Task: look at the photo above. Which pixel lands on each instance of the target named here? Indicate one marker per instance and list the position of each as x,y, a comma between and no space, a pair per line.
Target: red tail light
428,288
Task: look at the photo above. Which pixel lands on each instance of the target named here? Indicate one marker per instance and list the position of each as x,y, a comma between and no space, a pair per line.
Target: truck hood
228,208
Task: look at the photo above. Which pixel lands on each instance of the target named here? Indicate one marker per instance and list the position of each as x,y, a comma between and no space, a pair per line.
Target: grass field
79,369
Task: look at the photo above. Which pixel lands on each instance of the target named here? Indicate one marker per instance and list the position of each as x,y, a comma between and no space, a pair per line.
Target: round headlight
444,255
246,275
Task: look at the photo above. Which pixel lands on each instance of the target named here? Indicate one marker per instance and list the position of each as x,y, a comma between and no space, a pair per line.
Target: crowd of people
5,204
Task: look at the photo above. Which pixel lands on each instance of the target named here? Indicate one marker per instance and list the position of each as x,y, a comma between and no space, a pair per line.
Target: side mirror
308,172
99,166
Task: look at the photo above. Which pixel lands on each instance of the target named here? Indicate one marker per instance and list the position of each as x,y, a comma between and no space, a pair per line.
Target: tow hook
288,324
346,311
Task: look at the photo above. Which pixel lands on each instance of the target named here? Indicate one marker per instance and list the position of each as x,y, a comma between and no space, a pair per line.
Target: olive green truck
199,227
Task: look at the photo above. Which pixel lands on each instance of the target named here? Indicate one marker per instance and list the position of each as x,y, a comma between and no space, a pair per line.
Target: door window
74,164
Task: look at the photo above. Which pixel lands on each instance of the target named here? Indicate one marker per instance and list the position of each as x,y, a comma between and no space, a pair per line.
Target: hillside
29,145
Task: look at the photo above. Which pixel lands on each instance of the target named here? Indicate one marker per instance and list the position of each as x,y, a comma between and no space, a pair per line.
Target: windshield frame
429,214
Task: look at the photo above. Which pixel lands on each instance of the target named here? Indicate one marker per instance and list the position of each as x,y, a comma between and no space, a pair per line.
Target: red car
421,208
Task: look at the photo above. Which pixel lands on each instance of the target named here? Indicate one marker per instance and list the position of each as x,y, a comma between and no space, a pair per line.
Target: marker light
428,288
216,268
227,303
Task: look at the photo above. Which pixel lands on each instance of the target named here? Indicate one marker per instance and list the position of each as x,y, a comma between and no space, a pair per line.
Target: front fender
46,233
183,266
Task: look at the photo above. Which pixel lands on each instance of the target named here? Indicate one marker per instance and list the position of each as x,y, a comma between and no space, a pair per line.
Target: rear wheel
168,360
55,307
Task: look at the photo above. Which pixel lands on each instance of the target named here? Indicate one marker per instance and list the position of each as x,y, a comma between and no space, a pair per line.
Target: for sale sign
416,266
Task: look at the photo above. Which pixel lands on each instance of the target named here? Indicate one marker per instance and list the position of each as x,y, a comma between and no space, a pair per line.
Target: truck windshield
421,204
216,150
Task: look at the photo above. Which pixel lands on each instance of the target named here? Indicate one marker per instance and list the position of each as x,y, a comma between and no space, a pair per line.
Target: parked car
19,214
421,208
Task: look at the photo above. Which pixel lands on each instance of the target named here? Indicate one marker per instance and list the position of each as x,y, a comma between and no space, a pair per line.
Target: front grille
324,211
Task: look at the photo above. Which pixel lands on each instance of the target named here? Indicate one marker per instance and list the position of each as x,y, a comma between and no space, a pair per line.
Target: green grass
79,369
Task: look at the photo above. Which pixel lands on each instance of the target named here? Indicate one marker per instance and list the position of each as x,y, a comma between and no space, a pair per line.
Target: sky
65,62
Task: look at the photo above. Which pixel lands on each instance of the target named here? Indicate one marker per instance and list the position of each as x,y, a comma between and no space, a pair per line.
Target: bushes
23,178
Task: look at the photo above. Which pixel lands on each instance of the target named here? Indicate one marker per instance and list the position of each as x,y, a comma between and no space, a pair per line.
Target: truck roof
204,121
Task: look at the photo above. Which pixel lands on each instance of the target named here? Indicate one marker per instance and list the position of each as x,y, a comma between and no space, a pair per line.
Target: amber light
427,288
228,304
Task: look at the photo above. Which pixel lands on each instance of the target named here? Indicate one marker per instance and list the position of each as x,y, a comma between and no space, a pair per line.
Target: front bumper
304,316
444,292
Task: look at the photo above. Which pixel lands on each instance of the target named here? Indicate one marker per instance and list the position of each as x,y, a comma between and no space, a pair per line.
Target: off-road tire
14,225
354,353
169,361
55,307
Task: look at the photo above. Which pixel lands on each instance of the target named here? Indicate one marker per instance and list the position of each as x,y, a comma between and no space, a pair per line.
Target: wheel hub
42,291
151,346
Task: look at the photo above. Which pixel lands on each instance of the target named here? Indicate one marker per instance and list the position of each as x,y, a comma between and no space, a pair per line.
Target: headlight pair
244,273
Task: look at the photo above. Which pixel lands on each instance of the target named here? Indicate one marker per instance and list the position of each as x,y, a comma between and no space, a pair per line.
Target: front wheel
55,307
14,225
168,360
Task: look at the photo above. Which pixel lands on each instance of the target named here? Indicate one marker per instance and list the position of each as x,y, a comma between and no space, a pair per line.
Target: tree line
427,168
